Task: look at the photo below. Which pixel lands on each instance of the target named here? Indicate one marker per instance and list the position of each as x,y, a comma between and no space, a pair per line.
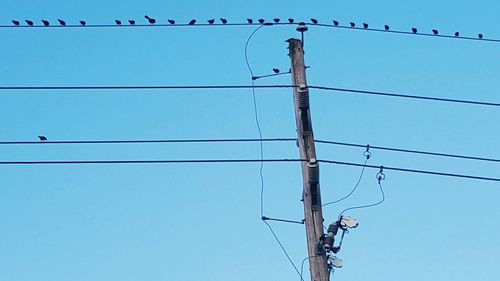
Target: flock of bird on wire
153,21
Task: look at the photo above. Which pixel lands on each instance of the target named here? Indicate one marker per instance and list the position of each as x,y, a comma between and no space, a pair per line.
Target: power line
144,141
412,151
414,31
479,37
413,171
194,161
213,87
141,87
189,161
354,91
261,168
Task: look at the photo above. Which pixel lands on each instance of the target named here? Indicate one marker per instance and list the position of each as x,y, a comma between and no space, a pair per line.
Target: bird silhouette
224,21
276,20
211,21
132,22
118,22
457,34
83,23
365,25
414,30
29,22
315,21
192,22
290,20
150,20
171,21
250,21
61,22
386,27
352,24
45,22
336,23
480,36
15,22
435,31
261,20
275,70
42,138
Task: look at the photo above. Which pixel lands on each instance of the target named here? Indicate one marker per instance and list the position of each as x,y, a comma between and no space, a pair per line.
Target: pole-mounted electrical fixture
313,174
302,28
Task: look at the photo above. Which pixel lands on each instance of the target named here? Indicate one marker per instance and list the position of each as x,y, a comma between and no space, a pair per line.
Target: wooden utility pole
310,169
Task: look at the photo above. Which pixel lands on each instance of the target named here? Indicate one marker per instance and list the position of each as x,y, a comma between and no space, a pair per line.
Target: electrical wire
369,205
252,86
282,248
493,40
243,24
354,91
142,87
411,151
414,171
77,162
257,123
145,141
183,161
353,190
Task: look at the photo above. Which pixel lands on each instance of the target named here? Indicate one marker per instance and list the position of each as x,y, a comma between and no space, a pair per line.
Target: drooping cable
367,155
257,123
380,177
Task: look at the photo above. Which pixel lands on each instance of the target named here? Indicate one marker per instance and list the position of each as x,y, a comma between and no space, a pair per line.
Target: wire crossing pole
310,170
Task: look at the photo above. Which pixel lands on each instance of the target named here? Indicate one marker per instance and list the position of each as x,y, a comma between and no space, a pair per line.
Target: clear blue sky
198,221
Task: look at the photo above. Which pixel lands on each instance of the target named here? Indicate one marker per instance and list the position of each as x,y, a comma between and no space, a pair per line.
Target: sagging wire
263,218
380,177
367,155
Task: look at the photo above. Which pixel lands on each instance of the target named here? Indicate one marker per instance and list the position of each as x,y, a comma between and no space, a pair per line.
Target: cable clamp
367,152
380,174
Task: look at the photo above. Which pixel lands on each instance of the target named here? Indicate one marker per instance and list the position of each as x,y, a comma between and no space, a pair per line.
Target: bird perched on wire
61,22
150,20
435,31
132,22
365,25
261,21
45,22
250,21
276,20
314,21
386,27
118,22
83,23
192,22
211,21
457,34
414,30
224,21
29,22
352,24
171,21
42,138
276,71
480,36
336,23
15,22
291,20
